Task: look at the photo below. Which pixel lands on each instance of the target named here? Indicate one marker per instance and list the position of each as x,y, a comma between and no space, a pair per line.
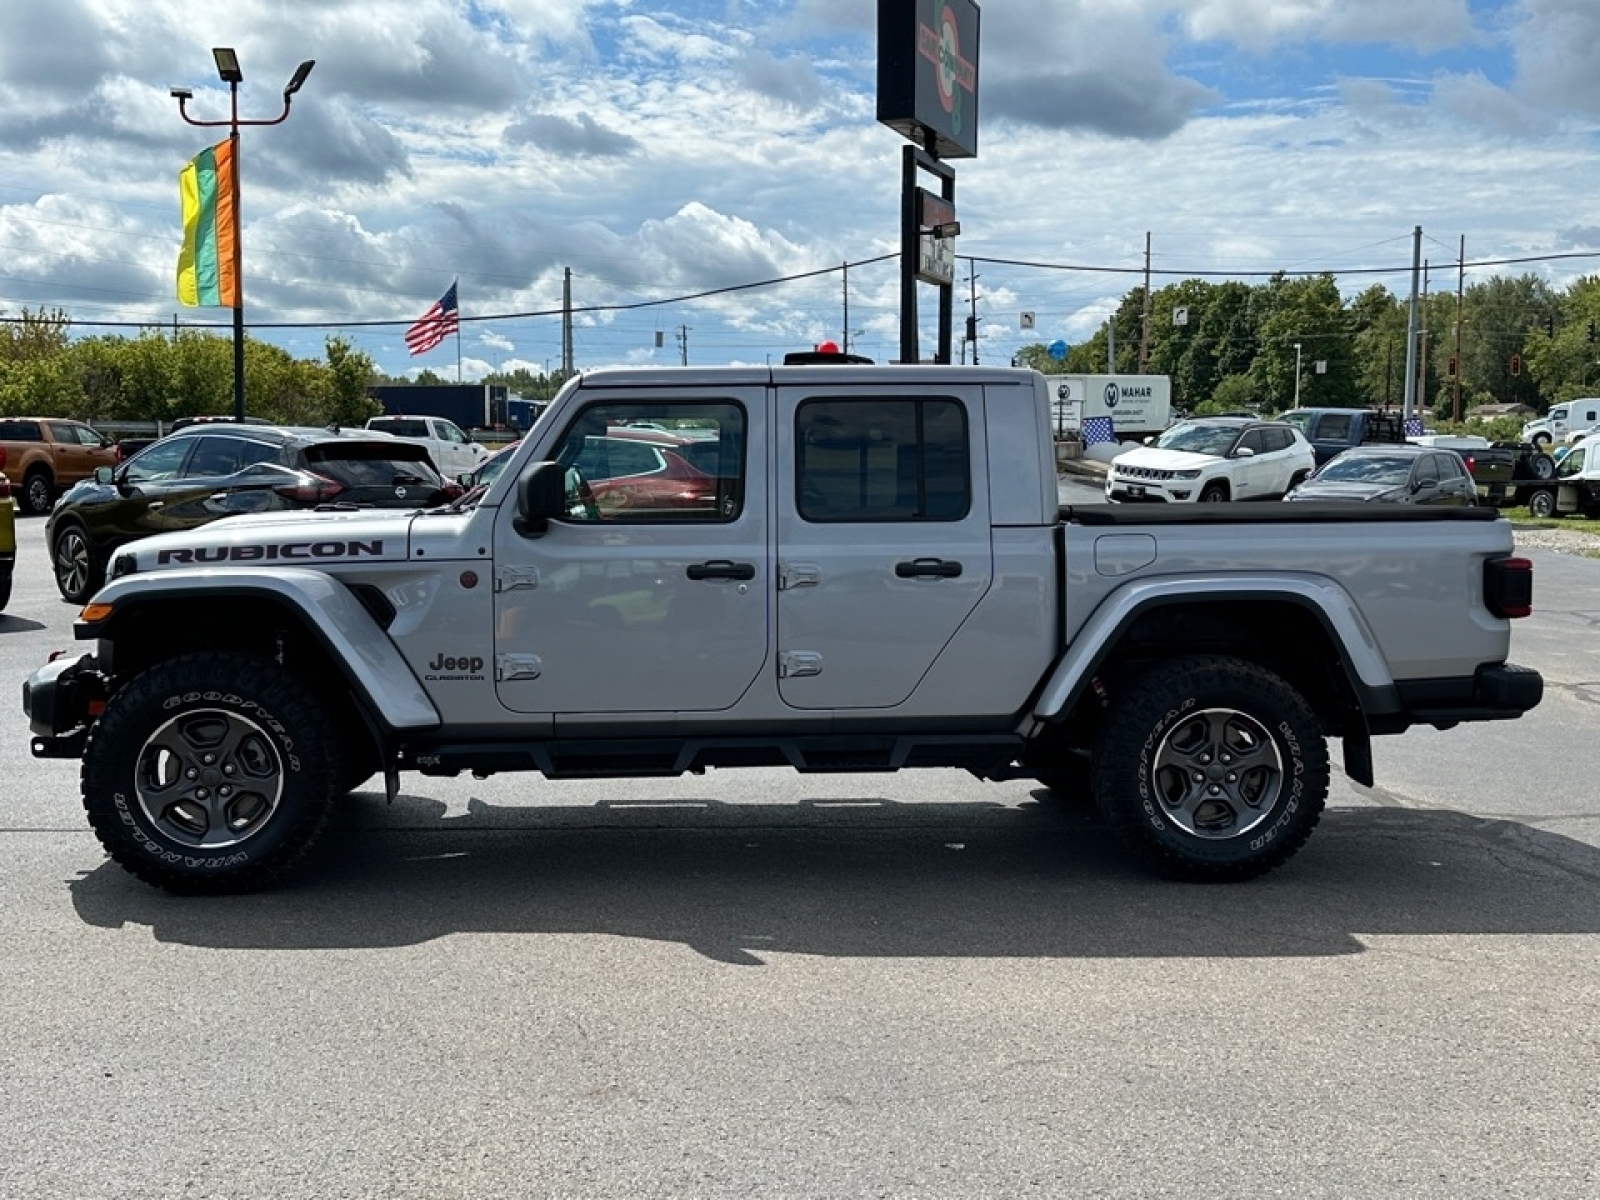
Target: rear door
883,538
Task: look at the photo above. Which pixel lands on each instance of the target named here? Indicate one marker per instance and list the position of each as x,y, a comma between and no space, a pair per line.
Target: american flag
1098,431
433,326
1413,427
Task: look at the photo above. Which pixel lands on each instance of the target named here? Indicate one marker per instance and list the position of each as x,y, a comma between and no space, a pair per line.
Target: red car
630,473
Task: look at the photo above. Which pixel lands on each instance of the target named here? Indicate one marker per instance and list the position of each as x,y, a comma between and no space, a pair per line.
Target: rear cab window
874,460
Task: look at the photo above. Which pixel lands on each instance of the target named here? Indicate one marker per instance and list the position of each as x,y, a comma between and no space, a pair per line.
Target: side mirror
1244,452
541,498
102,474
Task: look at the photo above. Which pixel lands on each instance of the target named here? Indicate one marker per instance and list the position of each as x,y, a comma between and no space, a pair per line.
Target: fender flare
371,663
1335,610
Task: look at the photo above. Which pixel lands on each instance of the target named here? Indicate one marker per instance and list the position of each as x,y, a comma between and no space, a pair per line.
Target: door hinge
798,575
794,664
509,579
517,666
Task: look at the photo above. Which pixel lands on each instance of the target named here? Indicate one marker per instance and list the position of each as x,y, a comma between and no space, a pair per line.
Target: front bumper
63,699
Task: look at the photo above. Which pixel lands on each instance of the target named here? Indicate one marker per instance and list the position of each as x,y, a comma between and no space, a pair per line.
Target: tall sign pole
928,91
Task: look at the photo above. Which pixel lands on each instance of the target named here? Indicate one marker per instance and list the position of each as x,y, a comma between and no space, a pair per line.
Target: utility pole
1422,350
566,321
972,319
845,341
1409,405
683,345
1461,285
1144,316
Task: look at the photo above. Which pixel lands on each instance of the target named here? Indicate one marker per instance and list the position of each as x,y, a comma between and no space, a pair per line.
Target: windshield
1298,417
1393,469
1199,439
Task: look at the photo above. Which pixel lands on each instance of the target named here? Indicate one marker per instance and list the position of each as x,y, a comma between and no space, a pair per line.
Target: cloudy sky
663,151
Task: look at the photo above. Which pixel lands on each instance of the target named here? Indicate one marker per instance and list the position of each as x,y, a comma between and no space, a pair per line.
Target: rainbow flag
206,264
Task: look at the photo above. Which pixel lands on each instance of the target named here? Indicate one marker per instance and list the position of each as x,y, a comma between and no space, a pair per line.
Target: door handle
927,568
721,568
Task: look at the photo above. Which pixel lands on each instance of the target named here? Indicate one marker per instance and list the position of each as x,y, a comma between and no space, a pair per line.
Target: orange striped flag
207,274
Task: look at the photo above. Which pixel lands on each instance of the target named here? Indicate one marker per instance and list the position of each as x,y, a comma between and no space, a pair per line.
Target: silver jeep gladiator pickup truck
830,566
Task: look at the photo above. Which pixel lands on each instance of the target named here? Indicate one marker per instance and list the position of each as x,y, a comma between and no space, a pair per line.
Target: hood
305,538
1155,459
1347,489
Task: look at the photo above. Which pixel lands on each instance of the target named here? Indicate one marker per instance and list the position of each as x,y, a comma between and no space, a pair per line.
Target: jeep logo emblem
447,667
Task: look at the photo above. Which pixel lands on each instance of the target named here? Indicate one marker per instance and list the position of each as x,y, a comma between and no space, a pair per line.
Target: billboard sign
928,73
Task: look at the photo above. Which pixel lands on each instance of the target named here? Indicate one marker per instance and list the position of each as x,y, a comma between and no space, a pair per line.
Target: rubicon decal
273,553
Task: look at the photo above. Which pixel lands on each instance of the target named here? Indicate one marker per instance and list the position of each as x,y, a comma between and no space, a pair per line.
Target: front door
883,539
651,596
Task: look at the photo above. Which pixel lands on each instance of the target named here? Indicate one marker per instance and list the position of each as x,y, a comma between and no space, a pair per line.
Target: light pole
228,70
1297,374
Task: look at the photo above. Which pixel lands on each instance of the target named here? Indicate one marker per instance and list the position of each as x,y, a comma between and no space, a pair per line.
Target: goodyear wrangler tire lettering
1211,768
195,788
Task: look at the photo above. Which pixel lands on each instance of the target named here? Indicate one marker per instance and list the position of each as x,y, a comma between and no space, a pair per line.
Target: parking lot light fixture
229,71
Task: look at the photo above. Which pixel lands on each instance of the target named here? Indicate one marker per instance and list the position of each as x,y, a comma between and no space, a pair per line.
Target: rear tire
37,493
1543,504
1211,768
210,773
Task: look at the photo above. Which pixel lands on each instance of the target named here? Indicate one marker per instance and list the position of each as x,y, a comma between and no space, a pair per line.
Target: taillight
310,489
1472,465
5,484
1508,586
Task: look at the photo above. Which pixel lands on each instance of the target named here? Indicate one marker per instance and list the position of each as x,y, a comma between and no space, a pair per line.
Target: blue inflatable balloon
1057,349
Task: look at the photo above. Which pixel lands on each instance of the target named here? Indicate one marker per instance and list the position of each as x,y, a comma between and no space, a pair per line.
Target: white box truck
1139,405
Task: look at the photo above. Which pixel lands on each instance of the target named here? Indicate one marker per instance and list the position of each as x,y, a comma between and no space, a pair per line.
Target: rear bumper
1495,692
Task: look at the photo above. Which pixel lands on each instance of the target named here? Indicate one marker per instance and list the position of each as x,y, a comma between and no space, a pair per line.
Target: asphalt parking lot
766,984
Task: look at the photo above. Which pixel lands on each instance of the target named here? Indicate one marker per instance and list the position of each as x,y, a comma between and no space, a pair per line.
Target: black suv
207,471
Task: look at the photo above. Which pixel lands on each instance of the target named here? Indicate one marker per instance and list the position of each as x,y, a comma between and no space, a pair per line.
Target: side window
158,462
655,461
1334,427
1450,466
1572,464
1427,470
88,436
450,432
214,456
1254,440
1280,439
882,460
20,431
63,433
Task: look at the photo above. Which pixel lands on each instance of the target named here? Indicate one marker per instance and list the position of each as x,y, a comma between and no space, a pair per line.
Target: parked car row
1210,459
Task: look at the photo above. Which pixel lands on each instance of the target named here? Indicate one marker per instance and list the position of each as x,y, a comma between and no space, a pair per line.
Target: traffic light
1516,364
1549,327
1452,371
1592,331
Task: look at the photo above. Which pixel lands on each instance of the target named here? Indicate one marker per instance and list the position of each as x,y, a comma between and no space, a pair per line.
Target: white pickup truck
860,568
453,452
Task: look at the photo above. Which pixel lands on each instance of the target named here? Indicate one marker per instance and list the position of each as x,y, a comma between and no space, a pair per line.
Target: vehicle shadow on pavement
10,624
871,878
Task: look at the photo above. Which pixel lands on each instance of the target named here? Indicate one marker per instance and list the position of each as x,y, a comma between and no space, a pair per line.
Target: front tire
1211,768
78,570
1214,493
210,773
